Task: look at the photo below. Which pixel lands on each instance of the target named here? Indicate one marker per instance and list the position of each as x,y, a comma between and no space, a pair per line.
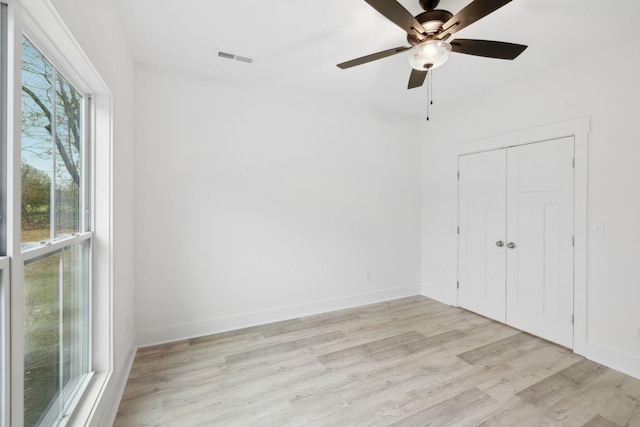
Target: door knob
511,245
499,243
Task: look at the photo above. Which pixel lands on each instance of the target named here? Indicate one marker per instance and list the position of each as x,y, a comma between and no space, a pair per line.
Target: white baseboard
222,324
622,362
440,295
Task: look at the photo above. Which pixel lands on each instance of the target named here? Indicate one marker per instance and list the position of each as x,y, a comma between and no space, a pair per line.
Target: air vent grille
235,57
244,59
226,55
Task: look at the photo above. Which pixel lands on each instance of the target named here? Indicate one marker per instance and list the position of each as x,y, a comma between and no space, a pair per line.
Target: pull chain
431,87
429,93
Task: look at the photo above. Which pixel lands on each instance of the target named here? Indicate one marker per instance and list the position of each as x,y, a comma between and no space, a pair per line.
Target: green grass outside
35,235
42,332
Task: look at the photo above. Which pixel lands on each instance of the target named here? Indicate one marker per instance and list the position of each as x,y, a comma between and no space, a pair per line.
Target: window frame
39,21
5,274
5,261
53,244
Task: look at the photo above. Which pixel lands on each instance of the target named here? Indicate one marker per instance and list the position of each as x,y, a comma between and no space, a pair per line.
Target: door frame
579,130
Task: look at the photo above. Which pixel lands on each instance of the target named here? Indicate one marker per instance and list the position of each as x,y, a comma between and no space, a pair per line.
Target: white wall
95,26
255,205
607,91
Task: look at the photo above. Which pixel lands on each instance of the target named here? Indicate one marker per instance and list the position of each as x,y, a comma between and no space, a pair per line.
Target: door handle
499,243
511,245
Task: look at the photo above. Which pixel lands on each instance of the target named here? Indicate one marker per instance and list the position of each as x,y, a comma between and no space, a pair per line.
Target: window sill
89,401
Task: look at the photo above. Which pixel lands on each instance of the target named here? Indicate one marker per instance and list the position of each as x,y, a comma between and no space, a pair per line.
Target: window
56,350
56,240
4,260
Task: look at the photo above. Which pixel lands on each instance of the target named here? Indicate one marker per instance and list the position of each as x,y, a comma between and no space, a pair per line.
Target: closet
515,237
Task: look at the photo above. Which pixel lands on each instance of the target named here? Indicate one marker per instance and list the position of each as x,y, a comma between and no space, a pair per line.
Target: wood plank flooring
408,362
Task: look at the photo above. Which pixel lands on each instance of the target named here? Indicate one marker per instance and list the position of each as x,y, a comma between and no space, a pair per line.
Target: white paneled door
481,255
540,226
530,241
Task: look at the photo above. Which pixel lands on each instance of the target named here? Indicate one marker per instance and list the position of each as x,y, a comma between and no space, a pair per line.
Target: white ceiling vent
235,57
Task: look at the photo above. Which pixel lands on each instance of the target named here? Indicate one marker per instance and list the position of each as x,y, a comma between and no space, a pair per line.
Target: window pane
37,153
42,335
75,316
4,162
68,107
51,156
56,331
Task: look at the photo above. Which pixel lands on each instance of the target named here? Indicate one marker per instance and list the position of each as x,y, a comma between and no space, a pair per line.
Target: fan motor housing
432,21
429,4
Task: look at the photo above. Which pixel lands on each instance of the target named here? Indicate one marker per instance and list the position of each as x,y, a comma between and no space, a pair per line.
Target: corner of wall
439,295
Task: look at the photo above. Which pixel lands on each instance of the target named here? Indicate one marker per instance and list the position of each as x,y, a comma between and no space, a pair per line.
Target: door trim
579,130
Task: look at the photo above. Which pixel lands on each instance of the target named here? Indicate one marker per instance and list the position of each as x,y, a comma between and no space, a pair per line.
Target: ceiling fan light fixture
429,55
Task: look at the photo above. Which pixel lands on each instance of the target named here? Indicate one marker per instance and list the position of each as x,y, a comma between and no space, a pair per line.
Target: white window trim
56,245
40,22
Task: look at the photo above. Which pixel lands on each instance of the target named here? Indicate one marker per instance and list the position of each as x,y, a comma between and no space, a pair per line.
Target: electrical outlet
637,334
368,277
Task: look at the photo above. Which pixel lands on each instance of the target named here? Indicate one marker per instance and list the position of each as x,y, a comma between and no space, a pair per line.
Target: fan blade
487,48
372,57
416,79
400,16
473,12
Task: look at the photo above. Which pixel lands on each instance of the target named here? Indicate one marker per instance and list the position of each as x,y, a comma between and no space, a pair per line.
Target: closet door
540,239
481,244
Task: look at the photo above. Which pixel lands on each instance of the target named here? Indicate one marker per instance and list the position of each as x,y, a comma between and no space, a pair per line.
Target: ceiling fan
428,32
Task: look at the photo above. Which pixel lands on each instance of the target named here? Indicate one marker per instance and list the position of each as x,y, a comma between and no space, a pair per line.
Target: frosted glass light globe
429,55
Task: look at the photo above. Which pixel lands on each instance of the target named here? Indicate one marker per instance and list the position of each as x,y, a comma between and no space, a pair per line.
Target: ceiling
296,44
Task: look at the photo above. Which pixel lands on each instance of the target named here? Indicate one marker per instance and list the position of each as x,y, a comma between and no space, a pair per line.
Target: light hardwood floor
408,362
